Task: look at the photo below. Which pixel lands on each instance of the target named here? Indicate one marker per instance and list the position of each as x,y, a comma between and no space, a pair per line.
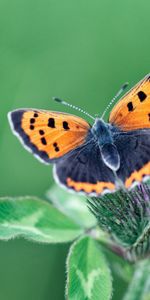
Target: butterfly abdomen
110,156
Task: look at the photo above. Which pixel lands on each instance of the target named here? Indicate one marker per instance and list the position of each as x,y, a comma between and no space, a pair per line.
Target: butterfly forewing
133,110
49,135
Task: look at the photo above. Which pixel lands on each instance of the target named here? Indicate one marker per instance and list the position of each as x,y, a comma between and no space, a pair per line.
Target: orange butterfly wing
49,135
133,110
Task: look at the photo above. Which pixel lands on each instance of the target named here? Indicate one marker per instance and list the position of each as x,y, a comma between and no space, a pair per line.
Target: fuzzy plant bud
125,215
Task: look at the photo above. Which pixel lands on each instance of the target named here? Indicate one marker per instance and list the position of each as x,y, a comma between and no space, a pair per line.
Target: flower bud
125,215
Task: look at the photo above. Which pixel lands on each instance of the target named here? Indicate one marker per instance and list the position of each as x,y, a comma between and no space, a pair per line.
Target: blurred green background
81,51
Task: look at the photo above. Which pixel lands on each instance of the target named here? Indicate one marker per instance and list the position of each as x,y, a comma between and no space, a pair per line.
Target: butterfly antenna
114,98
73,106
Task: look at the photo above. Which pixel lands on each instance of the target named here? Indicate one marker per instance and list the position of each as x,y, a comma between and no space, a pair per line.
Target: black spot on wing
130,106
32,120
41,132
51,122
65,125
56,147
43,141
36,115
142,96
32,127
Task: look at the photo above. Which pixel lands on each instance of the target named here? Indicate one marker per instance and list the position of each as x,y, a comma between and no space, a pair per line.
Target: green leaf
139,288
88,274
121,270
72,205
35,219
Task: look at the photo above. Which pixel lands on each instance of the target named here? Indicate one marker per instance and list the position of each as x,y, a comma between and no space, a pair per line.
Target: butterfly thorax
104,137
102,132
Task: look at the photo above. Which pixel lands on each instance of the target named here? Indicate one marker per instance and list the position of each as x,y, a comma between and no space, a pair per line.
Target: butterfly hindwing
134,151
84,171
133,110
48,135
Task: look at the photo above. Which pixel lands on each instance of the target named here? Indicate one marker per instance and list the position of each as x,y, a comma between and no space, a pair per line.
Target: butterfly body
93,159
104,136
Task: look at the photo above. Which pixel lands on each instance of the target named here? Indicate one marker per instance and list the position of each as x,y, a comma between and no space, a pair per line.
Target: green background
82,51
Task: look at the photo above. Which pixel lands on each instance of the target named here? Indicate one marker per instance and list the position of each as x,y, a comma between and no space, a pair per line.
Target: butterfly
92,159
